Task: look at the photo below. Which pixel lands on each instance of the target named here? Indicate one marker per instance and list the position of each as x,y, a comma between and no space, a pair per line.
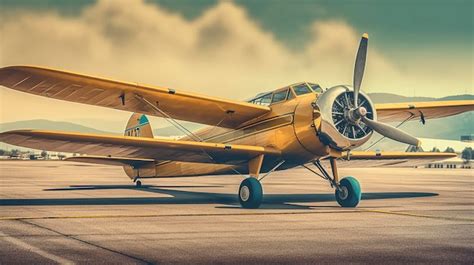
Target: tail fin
138,126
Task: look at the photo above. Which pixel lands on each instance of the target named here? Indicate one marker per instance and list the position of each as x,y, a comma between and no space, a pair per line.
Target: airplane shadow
270,201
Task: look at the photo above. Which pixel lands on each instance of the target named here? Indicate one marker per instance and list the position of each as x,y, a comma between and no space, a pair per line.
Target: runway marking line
422,215
34,249
233,214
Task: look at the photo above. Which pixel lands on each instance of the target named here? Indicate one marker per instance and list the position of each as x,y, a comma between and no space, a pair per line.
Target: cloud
223,52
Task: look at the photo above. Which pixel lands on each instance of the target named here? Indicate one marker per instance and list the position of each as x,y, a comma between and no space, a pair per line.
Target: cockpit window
301,89
316,88
266,100
280,96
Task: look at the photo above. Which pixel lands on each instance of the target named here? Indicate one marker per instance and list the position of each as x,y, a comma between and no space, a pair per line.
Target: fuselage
289,127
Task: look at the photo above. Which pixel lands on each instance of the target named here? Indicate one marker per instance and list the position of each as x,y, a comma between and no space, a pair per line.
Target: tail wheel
250,193
349,192
138,184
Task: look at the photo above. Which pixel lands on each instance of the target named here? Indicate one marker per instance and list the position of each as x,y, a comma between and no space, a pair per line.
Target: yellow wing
113,161
137,148
389,112
128,96
391,159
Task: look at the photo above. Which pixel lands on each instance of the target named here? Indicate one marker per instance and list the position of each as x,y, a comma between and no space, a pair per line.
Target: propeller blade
391,132
360,66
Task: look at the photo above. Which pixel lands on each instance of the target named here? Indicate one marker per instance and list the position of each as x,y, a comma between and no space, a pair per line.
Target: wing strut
167,117
174,122
273,169
185,130
334,180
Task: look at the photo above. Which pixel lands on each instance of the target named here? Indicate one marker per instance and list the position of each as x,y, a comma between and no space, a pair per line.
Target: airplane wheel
138,184
350,193
250,193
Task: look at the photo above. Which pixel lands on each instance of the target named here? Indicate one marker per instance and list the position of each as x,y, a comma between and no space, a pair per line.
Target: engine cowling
340,126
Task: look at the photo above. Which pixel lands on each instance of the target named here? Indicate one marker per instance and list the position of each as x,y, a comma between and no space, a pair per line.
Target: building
467,138
451,163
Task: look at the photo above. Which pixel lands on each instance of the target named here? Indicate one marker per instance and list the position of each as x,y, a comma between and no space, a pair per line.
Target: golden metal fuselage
290,127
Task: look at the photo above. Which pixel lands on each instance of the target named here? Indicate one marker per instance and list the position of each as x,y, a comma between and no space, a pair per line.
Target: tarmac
70,213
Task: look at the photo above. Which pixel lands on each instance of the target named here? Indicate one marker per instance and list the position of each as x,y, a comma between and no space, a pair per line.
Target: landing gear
348,192
250,190
138,184
250,193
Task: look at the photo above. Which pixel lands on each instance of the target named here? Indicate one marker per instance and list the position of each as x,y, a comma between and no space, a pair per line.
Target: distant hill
458,97
42,124
393,98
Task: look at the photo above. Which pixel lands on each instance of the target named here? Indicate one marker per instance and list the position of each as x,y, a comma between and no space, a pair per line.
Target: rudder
138,126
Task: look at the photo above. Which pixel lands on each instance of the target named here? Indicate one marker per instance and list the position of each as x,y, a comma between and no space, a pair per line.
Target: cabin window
280,96
290,95
301,89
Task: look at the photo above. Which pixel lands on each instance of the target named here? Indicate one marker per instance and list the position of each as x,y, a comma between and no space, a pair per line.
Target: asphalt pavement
70,213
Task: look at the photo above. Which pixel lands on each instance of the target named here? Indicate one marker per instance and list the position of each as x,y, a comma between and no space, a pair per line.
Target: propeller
359,113
360,66
391,132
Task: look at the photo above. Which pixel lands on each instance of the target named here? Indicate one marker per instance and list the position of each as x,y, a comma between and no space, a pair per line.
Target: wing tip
21,66
17,132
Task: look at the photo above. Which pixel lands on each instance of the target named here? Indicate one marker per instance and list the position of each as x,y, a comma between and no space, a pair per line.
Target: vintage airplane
289,127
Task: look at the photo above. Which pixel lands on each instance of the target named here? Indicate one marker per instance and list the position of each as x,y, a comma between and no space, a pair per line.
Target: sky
235,49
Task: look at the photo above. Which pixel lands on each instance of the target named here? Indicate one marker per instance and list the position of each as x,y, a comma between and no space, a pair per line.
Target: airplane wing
363,159
113,161
389,112
129,96
135,147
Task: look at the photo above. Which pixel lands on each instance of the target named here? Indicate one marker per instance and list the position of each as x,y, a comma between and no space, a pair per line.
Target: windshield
301,89
316,88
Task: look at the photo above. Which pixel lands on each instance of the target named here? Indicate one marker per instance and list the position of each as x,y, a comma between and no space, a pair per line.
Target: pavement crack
22,244
140,260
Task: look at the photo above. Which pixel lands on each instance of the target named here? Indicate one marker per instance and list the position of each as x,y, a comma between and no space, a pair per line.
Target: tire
138,184
351,194
250,193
